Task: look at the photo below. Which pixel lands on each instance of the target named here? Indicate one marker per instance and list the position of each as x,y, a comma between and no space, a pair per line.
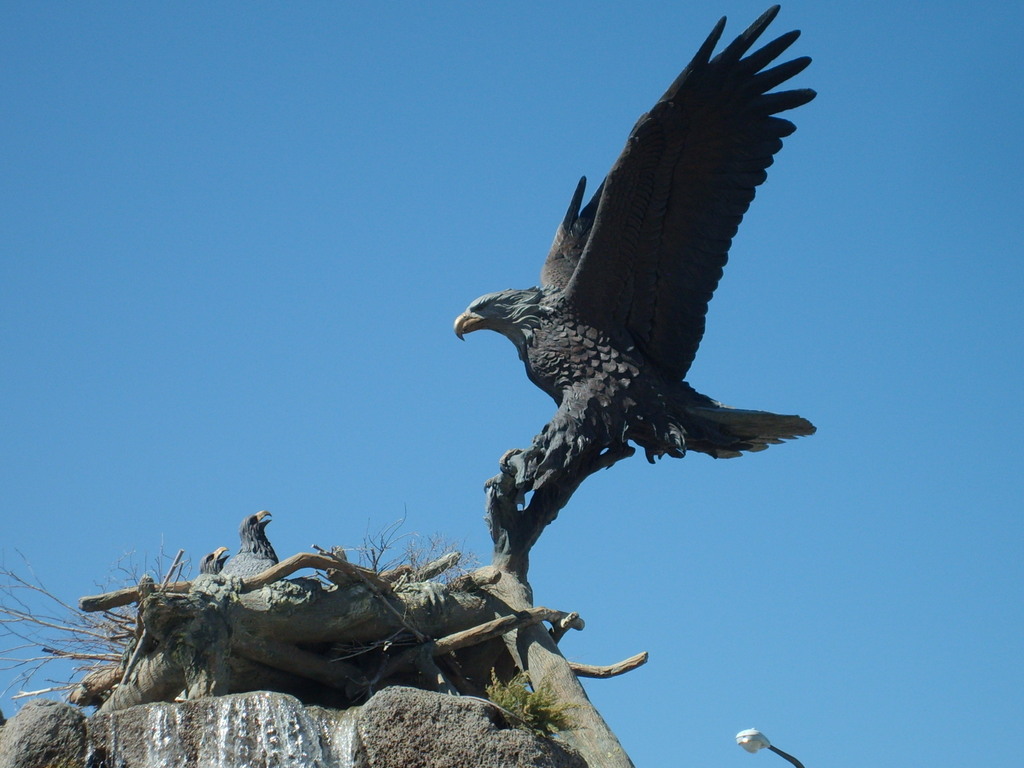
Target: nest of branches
332,636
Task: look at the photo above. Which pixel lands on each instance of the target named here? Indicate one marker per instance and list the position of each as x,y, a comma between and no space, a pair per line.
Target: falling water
253,730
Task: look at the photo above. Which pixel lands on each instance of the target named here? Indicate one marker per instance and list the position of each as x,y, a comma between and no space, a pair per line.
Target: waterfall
250,730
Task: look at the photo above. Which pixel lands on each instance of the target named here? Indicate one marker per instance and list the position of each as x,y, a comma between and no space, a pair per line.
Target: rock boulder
397,728
44,734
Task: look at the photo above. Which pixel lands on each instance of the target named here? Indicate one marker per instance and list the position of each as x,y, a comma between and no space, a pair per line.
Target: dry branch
499,627
285,568
436,567
612,670
31,613
95,685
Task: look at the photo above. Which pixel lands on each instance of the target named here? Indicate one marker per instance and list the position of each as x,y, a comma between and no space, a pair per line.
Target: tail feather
728,432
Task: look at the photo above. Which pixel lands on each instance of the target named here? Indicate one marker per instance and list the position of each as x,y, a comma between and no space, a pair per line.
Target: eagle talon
505,463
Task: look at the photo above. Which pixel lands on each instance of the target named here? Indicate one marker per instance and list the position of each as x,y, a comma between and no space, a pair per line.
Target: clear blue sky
234,237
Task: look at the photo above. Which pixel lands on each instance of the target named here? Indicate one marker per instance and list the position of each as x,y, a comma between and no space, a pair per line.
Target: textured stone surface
44,734
410,728
397,728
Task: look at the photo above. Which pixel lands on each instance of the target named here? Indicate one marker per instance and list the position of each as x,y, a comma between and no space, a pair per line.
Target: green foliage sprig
534,709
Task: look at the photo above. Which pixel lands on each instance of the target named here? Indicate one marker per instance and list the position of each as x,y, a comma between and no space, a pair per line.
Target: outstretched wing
570,239
673,201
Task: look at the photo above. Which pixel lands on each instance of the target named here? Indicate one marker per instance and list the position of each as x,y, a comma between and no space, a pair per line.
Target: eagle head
253,525
515,314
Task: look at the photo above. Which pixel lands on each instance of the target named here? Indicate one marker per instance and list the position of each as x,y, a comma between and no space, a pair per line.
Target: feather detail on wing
570,239
650,257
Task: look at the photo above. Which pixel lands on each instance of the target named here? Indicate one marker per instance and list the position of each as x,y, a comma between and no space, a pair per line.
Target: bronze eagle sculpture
213,563
255,552
614,326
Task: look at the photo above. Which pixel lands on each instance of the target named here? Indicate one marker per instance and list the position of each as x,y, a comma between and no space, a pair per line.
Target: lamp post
753,740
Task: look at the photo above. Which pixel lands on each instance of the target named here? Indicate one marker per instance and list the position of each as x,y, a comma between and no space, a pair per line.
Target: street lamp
753,740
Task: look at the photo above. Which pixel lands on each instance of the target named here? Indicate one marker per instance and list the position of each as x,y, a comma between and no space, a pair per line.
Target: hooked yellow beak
467,322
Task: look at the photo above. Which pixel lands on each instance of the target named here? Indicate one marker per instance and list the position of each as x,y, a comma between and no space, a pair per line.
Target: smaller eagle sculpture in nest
255,554
615,324
213,563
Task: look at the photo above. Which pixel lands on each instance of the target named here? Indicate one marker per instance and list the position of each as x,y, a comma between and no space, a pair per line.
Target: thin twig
27,694
174,564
